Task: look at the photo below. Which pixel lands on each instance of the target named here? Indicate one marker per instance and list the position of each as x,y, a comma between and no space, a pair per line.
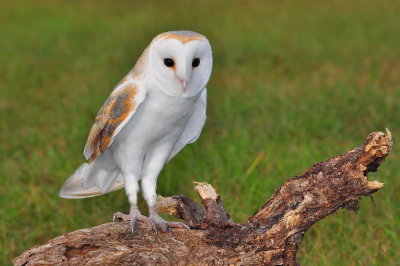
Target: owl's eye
196,62
169,62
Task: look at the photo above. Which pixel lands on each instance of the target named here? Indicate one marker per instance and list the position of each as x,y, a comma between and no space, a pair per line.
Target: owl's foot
133,217
165,226
154,221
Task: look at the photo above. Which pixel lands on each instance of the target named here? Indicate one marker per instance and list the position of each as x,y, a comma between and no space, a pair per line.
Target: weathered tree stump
271,236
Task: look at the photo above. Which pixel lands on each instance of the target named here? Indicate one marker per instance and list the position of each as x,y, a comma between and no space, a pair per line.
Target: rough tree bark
271,236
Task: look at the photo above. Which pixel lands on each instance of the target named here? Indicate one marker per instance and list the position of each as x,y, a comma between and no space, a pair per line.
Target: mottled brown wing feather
116,109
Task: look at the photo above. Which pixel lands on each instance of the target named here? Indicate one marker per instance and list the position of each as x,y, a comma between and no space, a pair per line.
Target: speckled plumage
113,112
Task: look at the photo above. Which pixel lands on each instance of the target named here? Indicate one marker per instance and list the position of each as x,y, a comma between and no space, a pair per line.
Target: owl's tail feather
94,179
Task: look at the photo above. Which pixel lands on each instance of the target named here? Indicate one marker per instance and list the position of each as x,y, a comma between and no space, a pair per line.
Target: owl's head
180,62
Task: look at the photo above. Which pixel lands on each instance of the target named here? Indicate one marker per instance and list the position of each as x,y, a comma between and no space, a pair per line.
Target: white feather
167,112
99,177
194,126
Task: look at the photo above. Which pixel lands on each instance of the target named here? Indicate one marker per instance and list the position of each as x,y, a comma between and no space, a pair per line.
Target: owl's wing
194,126
117,110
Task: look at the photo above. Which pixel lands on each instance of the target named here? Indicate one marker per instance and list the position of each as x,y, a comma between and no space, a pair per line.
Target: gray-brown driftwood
271,236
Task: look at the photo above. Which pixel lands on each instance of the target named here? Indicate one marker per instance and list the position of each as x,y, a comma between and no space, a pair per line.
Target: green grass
293,83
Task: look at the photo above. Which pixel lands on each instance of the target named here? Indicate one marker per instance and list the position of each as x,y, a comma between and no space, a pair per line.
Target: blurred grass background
294,82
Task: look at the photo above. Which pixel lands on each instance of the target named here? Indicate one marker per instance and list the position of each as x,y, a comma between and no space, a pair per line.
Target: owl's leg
149,183
149,194
132,188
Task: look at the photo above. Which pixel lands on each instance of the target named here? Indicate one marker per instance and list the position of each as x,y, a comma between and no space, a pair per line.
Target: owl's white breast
156,125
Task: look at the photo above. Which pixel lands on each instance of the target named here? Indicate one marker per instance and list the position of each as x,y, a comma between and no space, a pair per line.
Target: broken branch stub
215,215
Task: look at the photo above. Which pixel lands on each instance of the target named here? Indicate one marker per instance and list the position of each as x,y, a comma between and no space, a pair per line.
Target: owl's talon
132,223
121,216
153,226
178,225
164,226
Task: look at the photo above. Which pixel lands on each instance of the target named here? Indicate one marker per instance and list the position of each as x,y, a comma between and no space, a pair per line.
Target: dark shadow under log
271,236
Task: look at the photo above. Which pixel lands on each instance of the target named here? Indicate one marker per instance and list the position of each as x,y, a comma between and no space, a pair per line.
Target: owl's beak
183,74
183,84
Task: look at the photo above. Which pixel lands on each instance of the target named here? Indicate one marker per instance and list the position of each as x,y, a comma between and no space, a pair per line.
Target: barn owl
151,114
